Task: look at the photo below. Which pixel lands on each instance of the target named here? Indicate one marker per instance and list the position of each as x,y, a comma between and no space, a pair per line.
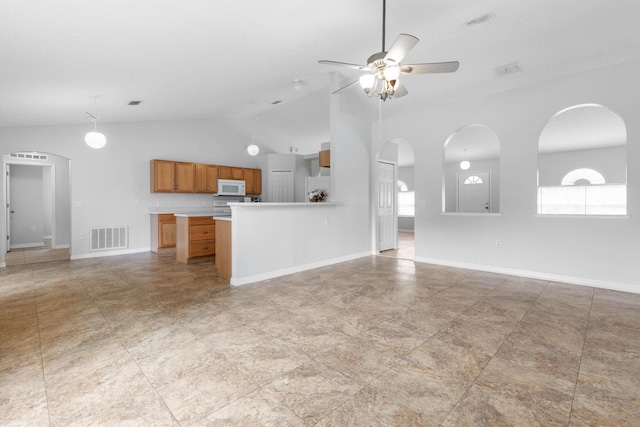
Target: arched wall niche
586,142
478,145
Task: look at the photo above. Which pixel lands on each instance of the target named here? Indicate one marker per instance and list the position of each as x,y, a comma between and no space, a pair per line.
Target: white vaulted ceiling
207,59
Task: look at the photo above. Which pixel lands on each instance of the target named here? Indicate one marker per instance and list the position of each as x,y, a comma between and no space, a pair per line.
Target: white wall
596,251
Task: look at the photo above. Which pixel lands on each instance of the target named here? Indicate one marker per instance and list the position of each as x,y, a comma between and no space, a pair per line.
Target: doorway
281,186
36,193
387,206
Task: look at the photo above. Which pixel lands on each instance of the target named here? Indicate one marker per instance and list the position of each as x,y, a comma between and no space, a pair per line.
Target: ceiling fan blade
344,64
399,90
399,49
336,92
434,67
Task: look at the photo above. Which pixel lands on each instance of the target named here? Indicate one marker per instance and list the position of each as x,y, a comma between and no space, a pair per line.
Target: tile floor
35,255
406,247
145,340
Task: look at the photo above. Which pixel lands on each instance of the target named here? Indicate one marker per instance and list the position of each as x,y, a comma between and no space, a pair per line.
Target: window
473,180
406,200
582,163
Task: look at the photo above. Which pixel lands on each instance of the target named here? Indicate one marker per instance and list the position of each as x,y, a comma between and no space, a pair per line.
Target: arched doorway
37,220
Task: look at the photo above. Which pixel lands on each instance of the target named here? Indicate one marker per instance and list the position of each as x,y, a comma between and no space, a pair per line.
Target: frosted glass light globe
95,139
253,150
464,165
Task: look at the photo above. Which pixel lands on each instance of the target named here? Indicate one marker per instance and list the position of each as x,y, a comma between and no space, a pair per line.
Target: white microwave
231,187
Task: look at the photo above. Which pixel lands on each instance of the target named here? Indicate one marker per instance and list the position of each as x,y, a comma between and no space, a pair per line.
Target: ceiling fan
385,68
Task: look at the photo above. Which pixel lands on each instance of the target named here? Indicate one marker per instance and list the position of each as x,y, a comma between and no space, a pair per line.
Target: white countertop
202,214
296,204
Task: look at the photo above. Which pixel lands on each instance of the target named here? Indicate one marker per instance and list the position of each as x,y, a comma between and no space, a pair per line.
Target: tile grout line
584,344
473,382
44,376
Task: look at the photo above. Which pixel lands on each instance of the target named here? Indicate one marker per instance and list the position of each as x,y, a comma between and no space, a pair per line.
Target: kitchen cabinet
230,172
196,238
206,178
253,181
324,158
172,177
223,248
163,233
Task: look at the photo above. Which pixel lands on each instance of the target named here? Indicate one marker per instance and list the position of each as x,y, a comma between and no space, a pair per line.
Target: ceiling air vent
134,102
482,19
505,70
276,102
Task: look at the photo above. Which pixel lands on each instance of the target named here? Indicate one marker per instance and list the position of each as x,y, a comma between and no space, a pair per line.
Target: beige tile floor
36,255
406,247
145,340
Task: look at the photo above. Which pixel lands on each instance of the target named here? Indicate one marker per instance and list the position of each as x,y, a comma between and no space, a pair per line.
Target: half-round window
583,176
472,180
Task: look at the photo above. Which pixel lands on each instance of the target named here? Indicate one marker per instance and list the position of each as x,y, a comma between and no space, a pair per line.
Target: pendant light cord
384,20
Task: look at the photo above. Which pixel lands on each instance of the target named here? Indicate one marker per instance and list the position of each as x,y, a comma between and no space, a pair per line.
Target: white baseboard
27,245
614,286
297,269
3,264
110,253
48,237
67,246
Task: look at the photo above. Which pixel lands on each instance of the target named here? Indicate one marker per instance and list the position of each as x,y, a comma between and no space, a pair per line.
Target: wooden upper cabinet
185,177
230,172
172,177
206,178
253,181
324,158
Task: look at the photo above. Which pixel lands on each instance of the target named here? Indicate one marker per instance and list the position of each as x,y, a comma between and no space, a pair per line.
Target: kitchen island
196,237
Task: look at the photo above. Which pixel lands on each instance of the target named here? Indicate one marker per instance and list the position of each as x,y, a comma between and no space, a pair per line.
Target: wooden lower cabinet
223,248
196,238
163,233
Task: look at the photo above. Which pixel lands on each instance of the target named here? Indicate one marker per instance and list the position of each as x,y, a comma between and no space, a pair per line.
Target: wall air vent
276,102
29,156
134,102
106,238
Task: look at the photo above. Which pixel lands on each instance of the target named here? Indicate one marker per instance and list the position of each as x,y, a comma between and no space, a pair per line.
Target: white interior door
386,206
8,216
474,191
281,186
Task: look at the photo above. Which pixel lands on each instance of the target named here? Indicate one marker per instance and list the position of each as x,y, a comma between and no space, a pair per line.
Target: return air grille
29,156
105,238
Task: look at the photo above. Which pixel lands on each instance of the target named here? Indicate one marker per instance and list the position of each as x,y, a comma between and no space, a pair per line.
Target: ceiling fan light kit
385,69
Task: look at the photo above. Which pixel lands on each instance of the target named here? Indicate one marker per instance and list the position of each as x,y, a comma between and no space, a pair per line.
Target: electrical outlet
33,228
138,201
423,203
498,243
81,236
79,204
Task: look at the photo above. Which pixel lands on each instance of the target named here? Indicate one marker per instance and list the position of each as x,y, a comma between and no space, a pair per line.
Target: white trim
471,213
47,237
66,246
27,245
573,216
3,264
297,269
623,287
110,253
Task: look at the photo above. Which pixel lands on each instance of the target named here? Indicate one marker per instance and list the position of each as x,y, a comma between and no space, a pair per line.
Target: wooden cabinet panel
202,248
237,173
224,172
206,178
185,177
172,177
162,176
253,180
201,220
324,158
223,248
201,232
163,232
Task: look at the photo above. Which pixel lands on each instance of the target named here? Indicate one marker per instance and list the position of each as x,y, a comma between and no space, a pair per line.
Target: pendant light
253,149
95,139
464,165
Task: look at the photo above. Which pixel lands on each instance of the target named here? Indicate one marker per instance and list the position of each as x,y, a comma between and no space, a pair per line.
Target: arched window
582,176
590,142
473,180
